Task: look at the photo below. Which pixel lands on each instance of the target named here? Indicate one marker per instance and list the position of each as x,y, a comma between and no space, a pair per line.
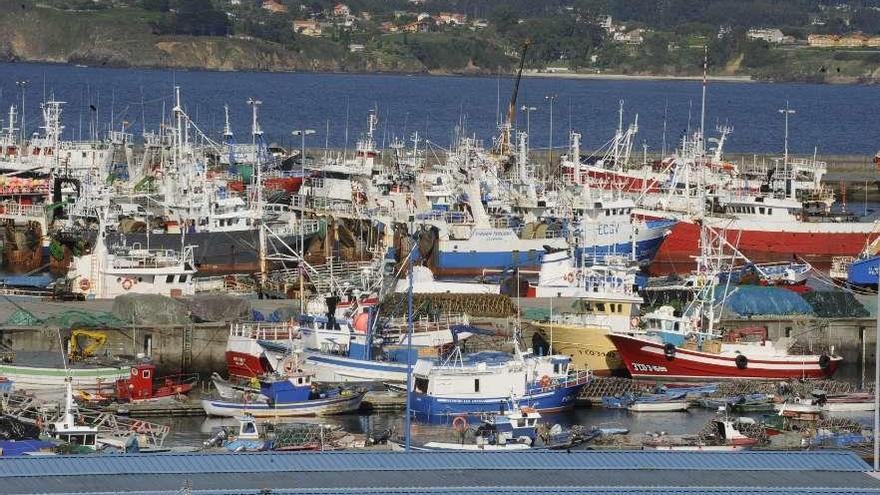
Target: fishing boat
483,382
142,385
845,402
651,358
287,396
44,371
606,302
643,404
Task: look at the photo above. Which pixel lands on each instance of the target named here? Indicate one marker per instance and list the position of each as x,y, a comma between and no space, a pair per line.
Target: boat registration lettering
609,228
650,367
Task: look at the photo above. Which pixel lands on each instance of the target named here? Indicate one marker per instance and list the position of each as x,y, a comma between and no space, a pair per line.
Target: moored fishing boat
650,358
484,382
606,302
291,395
44,371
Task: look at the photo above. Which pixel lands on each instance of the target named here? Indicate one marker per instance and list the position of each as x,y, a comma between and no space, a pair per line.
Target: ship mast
504,142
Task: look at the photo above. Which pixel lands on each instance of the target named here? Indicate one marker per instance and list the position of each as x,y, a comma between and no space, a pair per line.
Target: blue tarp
21,447
37,281
753,300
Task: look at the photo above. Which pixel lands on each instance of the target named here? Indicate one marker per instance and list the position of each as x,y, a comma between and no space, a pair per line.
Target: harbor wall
193,348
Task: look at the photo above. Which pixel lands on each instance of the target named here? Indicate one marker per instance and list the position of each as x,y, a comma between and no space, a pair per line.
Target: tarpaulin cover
66,319
220,307
150,309
835,304
753,300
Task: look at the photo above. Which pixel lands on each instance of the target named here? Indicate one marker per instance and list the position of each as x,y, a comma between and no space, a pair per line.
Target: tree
156,5
200,18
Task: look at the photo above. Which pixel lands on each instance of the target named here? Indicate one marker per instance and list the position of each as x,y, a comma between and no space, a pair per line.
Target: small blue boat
289,396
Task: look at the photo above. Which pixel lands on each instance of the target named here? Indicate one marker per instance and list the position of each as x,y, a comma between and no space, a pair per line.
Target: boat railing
150,258
259,330
13,209
300,227
574,378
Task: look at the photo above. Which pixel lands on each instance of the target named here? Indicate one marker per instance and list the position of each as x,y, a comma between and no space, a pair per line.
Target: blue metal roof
267,462
533,491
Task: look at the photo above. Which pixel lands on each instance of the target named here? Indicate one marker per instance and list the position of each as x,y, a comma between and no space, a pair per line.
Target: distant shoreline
634,77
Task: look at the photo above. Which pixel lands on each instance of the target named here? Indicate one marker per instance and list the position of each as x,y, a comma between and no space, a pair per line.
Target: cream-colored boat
606,302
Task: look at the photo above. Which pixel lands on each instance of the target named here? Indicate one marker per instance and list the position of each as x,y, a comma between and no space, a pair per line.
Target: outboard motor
217,438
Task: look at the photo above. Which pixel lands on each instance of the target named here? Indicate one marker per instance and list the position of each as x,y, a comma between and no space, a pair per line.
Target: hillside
124,37
124,33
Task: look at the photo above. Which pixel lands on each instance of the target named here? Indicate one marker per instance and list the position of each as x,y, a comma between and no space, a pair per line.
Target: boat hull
647,359
589,347
430,408
660,406
93,380
317,407
815,243
864,272
214,252
329,368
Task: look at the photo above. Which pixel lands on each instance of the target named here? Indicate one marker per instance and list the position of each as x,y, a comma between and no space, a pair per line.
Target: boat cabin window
146,373
600,307
421,385
249,427
181,278
477,385
87,440
169,279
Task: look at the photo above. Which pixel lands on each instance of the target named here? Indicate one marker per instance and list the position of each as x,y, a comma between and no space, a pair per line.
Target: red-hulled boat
766,230
647,358
143,385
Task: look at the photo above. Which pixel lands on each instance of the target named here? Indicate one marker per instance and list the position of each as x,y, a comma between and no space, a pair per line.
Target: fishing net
219,307
78,318
750,300
150,309
835,304
66,319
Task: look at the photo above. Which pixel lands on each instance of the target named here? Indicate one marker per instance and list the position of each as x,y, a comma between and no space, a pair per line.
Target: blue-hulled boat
292,395
864,271
484,383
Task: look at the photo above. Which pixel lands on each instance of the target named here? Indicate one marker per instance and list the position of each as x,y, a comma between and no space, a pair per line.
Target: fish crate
712,346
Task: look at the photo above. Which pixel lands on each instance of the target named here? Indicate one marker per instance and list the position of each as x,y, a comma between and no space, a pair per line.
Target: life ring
634,322
742,362
127,284
824,361
669,351
460,423
569,277
545,381
85,285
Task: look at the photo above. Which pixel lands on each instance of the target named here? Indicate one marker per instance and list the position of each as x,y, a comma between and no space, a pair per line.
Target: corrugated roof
427,461
554,491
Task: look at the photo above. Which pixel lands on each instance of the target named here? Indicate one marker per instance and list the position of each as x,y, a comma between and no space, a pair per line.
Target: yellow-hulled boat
583,333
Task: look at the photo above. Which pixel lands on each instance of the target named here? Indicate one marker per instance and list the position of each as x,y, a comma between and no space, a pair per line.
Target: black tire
669,351
824,361
742,362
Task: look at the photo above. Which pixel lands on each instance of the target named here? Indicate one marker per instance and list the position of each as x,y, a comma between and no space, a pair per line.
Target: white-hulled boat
44,371
659,406
284,397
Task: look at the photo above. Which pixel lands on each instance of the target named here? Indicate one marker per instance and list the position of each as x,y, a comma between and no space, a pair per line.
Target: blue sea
836,119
